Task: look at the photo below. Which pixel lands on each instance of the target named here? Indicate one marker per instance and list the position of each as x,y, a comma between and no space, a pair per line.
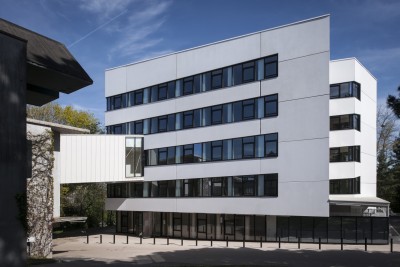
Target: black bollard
141,240
87,239
127,238
181,241
167,240
260,242
341,243
114,239
196,241
211,241
244,240
154,240
319,243
391,245
101,239
365,244
279,240
298,242
227,242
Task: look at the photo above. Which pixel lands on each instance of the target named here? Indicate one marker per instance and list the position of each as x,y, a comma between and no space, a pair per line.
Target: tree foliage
388,152
54,112
76,199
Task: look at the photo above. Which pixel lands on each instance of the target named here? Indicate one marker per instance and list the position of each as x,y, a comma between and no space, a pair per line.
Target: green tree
76,199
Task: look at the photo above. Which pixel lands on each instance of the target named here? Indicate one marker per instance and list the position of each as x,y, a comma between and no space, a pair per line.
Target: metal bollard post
244,240
319,243
114,239
87,239
211,241
261,242
196,241
341,243
141,240
154,240
101,239
181,241
127,238
227,242
279,239
365,244
391,245
298,242
167,240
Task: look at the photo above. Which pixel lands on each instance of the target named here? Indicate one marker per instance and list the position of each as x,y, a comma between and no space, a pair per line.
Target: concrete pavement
74,251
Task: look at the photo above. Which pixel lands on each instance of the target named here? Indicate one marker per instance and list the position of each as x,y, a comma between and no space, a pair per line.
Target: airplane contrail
98,28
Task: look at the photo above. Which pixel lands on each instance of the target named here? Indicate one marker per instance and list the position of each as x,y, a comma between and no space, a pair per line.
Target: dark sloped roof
50,65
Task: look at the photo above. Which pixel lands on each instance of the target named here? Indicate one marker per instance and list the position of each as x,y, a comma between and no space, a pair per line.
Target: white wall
351,70
302,124
93,158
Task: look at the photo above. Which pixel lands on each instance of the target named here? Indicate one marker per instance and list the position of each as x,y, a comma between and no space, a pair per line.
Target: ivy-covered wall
40,192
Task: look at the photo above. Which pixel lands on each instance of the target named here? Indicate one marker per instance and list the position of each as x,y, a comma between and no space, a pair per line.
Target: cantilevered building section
258,136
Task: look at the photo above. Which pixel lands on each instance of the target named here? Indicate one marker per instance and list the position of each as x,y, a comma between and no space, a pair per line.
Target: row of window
345,154
344,186
260,146
236,186
255,70
348,89
345,122
249,109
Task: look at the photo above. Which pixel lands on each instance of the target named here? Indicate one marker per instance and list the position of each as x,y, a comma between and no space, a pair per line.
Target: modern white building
258,136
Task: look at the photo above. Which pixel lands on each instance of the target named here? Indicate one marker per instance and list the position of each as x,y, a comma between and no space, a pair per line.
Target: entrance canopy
350,205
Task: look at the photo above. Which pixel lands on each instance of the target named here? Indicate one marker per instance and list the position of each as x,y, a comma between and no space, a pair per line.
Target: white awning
357,200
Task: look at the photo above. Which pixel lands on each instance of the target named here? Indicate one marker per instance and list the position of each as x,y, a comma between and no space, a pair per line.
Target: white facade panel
300,78
115,82
297,40
93,158
150,72
218,55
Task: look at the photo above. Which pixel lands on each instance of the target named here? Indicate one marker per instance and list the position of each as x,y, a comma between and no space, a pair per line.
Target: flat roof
225,40
355,59
61,128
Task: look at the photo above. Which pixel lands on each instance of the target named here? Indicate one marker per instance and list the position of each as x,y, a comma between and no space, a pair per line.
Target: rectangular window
216,187
271,66
248,147
162,124
154,125
347,89
188,154
139,127
344,186
188,86
171,188
162,156
162,188
171,122
345,122
171,89
237,186
117,102
216,79
237,111
216,150
139,97
162,92
198,152
237,148
271,145
237,74
249,186
154,93
344,154
187,119
177,222
171,155
216,115
248,107
248,72
108,103
271,105
201,223
335,91
271,185
197,84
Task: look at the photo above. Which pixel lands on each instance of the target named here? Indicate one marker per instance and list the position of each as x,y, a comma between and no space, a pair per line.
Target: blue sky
108,33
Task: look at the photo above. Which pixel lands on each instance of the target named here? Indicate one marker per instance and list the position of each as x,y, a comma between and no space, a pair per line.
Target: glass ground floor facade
267,228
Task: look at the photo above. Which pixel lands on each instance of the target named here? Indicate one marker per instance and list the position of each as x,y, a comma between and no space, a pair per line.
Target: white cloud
104,8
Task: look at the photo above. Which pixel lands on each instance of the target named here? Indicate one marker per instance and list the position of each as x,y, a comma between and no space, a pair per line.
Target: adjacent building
255,137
